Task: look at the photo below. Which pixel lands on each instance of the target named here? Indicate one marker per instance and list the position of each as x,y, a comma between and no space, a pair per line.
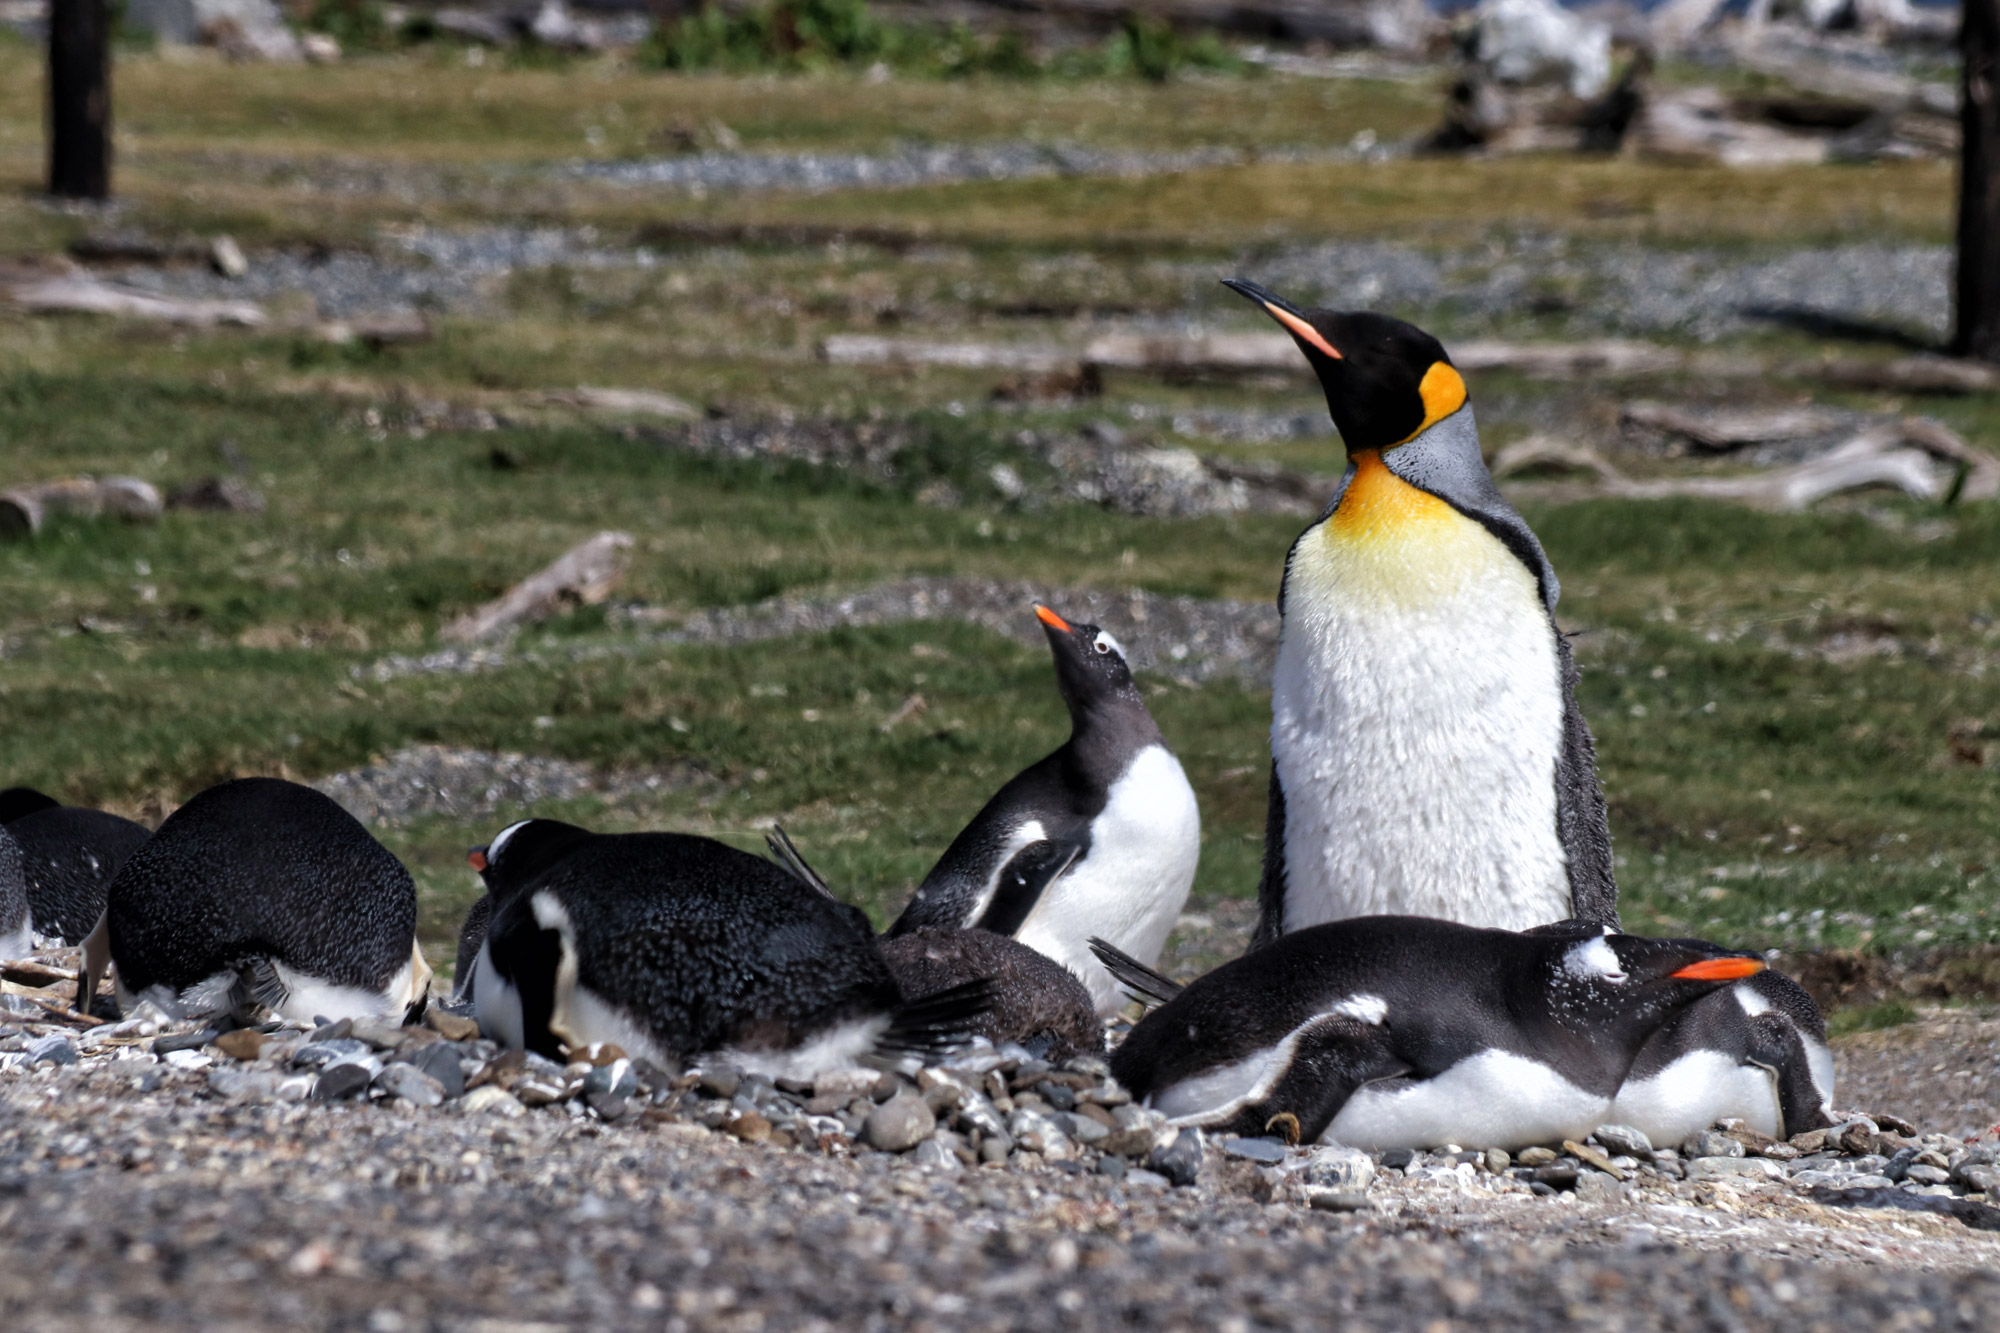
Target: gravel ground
1943,1069
424,780
142,1189
911,164
1190,638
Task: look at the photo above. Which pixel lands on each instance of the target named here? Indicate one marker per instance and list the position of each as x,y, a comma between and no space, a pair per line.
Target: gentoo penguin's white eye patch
1104,643
1595,959
500,840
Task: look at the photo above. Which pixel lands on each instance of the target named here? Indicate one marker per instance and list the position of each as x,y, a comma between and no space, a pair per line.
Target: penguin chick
261,893
17,921
1755,1051
1037,1002
1099,838
69,855
678,948
1428,756
1406,1032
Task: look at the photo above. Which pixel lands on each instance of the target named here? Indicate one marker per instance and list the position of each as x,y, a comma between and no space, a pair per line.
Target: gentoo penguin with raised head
261,894
1099,838
677,948
17,921
1427,754
1756,1052
69,853
1407,1032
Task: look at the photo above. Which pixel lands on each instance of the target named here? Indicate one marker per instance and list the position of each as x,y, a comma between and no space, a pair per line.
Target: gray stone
1978,1178
1597,1187
1267,1151
1496,1161
1925,1174
1324,1199
1036,1132
54,1049
719,1081
900,1123
995,1147
1556,1175
439,1059
1709,1143
1081,1128
316,1053
345,1077
977,1112
407,1081
617,1079
1340,1168
1734,1168
1140,1178
496,1100
244,1086
1180,1160
1623,1140
1535,1156
934,1155
1112,1165
1900,1163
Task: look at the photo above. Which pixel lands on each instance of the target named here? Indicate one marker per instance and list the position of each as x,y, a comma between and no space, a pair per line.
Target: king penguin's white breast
1416,720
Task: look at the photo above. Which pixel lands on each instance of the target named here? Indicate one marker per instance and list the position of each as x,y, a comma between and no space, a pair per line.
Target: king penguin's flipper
1581,820
937,1024
786,853
1271,885
1142,983
1022,882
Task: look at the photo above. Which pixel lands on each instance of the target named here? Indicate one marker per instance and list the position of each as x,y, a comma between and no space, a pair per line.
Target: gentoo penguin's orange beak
1051,619
1721,969
476,858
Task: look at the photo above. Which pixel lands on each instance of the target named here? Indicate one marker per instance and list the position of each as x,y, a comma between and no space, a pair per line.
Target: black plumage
1037,1003
688,945
69,855
471,938
256,875
1370,999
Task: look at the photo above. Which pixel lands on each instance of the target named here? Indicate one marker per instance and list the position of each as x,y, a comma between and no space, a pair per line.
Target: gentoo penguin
17,921
1427,754
676,948
1037,1003
471,935
1756,1051
69,854
1100,838
1407,1032
263,894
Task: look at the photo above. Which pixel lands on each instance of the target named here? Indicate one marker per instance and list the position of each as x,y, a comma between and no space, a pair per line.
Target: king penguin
1427,753
1099,838
677,948
69,854
262,894
1407,1032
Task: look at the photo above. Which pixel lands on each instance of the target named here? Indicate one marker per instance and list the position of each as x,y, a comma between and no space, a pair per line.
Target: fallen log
85,295
631,402
582,576
23,509
1722,432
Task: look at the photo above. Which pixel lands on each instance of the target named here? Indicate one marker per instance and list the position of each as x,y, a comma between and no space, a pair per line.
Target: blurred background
869,323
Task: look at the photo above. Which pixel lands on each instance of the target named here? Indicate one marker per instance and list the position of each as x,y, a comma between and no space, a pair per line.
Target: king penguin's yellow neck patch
1378,503
1443,392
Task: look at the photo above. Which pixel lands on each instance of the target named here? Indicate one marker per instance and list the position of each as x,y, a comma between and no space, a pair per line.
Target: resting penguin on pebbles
676,948
1427,752
262,894
69,855
1406,1032
17,923
1100,838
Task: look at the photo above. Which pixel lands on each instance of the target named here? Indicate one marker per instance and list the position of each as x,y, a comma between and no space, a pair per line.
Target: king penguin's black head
1386,381
1090,664
520,852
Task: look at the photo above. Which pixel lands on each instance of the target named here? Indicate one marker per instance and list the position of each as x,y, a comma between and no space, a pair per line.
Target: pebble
1268,1151
403,1080
1325,1199
495,1100
54,1049
184,1041
719,1081
932,1154
242,1044
1583,1152
899,1123
1180,1160
1624,1140
321,1052
1141,1178
1598,1187
452,1027
440,1061
345,1077
751,1127
1535,1156
1739,1168
1340,1168
1710,1143
238,1085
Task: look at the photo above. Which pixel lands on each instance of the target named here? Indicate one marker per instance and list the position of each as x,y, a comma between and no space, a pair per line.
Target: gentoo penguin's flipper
786,853
1313,1072
1142,983
1022,881
937,1024
1581,820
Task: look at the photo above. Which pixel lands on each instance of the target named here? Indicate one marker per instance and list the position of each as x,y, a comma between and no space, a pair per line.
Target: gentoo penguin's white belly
1417,716
19,943
1495,1099
1132,884
1692,1093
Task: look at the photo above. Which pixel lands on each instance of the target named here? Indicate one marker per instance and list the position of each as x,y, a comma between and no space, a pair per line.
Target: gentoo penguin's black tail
1142,983
786,853
937,1024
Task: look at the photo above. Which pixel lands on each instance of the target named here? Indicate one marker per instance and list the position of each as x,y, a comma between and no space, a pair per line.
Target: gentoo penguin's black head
1631,981
1090,665
1386,382
522,851
18,801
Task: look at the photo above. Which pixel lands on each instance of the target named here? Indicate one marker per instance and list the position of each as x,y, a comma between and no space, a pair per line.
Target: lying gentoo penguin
1427,753
1755,1051
1099,838
17,921
261,893
676,947
70,854
1405,1032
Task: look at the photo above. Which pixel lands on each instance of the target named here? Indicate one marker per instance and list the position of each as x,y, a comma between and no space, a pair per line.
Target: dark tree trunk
1979,185
80,99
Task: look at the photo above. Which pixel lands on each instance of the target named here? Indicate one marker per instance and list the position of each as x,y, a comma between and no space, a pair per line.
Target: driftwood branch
79,293
626,402
581,576
23,509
